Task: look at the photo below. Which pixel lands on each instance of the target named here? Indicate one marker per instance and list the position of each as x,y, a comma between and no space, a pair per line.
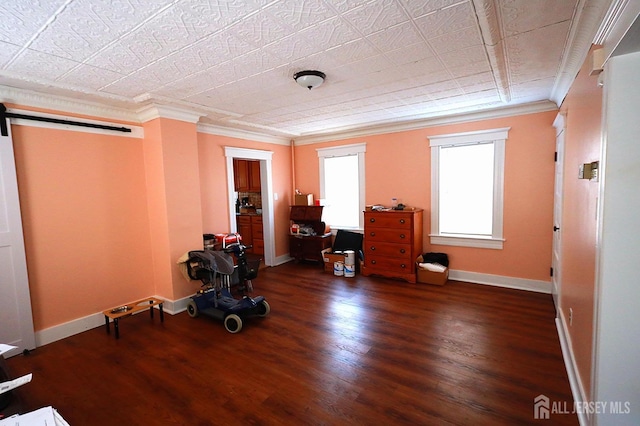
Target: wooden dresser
392,242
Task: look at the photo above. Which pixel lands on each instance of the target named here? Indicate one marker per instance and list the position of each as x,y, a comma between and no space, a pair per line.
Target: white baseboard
76,326
280,260
179,305
67,329
501,281
577,389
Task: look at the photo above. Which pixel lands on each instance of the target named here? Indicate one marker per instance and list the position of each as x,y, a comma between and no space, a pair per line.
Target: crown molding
531,108
261,127
615,25
213,129
588,16
148,99
24,97
153,111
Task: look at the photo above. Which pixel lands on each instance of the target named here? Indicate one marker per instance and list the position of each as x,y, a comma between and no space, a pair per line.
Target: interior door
556,263
16,322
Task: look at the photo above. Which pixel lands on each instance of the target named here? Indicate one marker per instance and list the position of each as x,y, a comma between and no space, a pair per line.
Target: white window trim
498,137
341,151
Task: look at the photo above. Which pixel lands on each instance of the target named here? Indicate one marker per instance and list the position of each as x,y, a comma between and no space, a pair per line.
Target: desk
309,247
131,308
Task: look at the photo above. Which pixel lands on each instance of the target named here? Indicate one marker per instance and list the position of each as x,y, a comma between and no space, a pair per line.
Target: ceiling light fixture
309,79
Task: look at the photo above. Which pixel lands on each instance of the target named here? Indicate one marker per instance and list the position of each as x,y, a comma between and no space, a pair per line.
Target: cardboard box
429,277
435,278
329,258
303,200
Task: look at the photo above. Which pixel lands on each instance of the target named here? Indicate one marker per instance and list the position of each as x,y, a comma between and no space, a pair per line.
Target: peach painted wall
85,220
399,165
175,216
583,108
213,183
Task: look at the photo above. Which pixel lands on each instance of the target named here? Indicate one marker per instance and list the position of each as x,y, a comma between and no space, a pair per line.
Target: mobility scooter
216,270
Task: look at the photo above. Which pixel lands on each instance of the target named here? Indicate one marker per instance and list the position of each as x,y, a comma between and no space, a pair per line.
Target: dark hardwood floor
333,351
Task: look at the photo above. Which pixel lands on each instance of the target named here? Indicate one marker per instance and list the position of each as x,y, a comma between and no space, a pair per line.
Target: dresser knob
373,248
401,235
403,266
402,221
373,262
373,234
403,251
373,219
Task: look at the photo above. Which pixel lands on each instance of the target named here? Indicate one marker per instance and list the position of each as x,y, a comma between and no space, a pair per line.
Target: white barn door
16,322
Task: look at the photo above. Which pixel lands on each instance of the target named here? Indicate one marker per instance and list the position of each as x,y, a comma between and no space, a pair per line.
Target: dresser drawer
375,248
388,265
396,236
393,220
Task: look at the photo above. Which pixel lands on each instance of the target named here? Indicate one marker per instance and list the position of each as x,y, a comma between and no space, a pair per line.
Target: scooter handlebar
236,248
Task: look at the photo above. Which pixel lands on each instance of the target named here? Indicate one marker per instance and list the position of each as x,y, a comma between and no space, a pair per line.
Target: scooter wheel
192,308
233,323
263,309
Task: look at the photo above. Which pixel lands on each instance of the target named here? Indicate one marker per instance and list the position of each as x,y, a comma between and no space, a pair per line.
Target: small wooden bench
131,308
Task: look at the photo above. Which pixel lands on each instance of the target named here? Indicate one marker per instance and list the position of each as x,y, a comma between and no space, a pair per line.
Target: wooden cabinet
251,230
257,234
392,242
246,175
308,247
240,175
254,176
244,229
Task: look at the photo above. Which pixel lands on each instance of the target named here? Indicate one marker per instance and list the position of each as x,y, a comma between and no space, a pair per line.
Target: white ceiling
232,61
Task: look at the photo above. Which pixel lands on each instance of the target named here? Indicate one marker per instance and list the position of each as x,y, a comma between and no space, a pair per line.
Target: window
342,185
467,188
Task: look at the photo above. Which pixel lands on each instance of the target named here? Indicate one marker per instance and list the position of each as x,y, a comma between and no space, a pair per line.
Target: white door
556,285
16,322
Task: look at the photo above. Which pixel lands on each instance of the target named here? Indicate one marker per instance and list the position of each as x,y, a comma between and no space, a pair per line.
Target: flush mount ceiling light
309,79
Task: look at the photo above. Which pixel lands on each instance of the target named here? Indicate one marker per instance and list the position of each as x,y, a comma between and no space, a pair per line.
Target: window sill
489,243
346,228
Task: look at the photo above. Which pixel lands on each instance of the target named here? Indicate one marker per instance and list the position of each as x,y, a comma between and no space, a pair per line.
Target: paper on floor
433,267
5,348
12,384
46,416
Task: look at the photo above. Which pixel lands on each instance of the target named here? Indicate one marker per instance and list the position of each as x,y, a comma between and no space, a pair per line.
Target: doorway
266,182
